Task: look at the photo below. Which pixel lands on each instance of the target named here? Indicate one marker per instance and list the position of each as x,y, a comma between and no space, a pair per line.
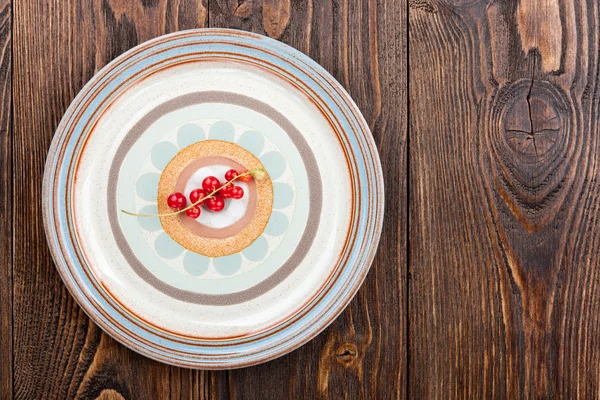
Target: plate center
222,233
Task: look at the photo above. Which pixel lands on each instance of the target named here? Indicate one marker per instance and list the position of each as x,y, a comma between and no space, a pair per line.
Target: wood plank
504,199
58,46
6,200
362,43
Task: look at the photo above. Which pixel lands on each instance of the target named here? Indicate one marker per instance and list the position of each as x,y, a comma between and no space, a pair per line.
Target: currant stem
208,196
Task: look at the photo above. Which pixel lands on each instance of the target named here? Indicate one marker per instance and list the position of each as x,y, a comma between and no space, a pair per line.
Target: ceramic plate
233,288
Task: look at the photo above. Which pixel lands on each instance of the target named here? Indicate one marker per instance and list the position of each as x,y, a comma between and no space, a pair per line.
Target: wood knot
528,130
276,16
110,394
532,126
347,354
422,5
434,6
244,9
532,120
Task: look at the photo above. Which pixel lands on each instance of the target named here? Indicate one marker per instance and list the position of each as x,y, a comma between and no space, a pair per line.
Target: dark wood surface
504,199
6,225
487,280
48,346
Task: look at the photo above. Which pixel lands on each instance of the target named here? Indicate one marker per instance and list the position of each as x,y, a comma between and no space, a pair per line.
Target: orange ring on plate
209,245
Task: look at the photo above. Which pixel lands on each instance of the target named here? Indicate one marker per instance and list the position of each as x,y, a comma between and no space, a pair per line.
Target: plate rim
322,321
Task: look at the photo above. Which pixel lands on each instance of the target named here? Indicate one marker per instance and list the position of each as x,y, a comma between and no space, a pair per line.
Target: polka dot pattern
283,195
162,153
278,224
195,264
228,265
257,250
167,247
149,224
275,164
189,134
252,141
147,186
222,130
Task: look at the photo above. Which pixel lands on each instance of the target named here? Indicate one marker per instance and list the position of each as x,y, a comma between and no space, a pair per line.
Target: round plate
229,289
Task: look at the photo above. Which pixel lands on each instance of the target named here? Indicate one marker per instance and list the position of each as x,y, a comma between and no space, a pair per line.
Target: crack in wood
532,133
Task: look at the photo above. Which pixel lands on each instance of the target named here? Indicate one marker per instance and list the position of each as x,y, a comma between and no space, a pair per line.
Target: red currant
226,191
176,201
193,212
196,195
230,175
210,183
245,178
216,203
237,192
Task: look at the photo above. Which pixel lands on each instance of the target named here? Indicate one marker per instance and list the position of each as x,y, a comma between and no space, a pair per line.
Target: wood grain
504,233
363,353
58,46
6,202
57,352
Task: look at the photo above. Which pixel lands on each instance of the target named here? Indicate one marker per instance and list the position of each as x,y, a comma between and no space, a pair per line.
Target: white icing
234,209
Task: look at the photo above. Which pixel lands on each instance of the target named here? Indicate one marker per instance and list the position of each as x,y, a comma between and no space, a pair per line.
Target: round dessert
235,227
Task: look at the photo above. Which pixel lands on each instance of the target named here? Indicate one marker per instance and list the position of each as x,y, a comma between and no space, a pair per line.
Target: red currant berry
245,178
193,212
237,192
226,191
176,201
230,175
210,183
196,195
216,203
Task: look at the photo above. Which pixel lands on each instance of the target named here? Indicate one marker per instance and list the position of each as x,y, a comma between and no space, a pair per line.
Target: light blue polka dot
189,134
274,163
282,195
252,141
195,264
257,250
167,247
147,186
277,225
162,153
149,223
222,130
228,265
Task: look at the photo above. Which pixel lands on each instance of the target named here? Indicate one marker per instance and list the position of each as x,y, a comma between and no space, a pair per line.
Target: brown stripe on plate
315,197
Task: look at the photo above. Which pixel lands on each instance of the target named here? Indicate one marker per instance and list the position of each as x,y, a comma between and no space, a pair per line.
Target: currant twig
202,199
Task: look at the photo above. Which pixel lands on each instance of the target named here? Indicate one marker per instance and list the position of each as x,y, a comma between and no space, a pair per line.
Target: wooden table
487,279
